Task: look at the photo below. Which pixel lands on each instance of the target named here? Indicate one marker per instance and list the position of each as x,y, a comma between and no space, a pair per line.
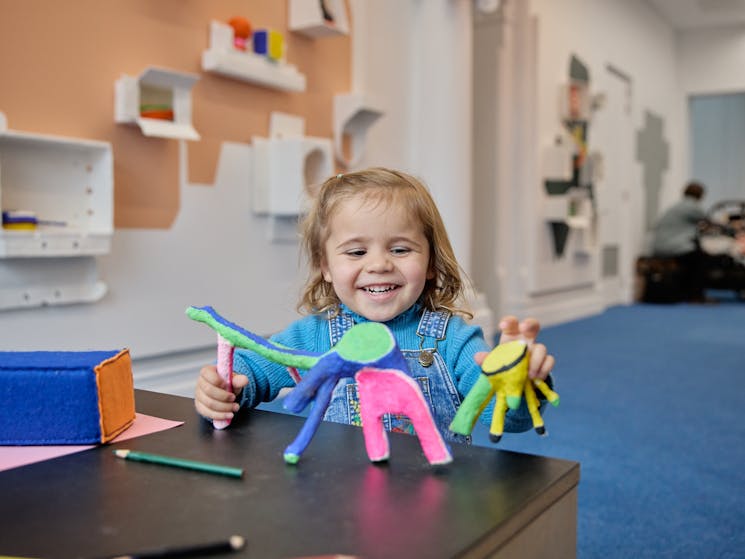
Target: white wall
711,60
631,37
217,251
216,254
415,72
414,58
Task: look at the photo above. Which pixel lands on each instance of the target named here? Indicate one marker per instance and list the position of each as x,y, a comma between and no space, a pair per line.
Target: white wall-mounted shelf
557,158
354,114
318,18
287,167
67,183
157,86
570,213
224,59
576,211
284,171
38,282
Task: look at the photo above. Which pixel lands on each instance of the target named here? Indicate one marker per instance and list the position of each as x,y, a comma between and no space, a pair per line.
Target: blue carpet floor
650,402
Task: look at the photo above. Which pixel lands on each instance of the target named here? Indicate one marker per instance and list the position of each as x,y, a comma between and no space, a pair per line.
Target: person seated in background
675,235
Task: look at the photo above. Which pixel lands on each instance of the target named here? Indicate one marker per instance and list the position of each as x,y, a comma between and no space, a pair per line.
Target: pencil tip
121,453
237,542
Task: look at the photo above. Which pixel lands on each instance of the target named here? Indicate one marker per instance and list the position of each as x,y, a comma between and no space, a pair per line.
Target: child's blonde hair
385,186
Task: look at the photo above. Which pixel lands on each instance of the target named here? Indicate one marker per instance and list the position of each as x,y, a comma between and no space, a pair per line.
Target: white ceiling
694,14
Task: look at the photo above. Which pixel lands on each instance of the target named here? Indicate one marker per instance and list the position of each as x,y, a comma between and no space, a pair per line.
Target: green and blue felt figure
504,374
369,353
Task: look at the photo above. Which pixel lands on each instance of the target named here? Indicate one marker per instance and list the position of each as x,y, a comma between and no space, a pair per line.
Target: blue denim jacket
426,366
450,377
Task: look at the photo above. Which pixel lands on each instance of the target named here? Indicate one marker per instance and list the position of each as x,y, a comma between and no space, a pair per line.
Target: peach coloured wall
59,62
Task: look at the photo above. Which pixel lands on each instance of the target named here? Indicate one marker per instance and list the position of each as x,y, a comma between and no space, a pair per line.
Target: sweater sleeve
266,378
465,341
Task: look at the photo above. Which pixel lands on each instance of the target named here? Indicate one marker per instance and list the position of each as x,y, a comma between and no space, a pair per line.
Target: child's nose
379,262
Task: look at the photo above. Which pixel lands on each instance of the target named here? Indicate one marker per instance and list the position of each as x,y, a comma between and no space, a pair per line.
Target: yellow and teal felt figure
504,373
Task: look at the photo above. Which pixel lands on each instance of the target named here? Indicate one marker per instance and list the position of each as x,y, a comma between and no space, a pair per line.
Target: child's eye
400,250
356,252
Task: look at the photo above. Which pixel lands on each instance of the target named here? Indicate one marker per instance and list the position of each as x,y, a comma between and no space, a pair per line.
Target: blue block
51,397
260,39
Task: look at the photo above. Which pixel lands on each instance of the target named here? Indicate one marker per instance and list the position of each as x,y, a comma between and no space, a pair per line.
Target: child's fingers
210,399
512,329
479,356
213,409
239,383
541,362
529,329
509,328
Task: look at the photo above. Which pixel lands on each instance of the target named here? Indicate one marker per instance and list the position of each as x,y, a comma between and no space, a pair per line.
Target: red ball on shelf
241,27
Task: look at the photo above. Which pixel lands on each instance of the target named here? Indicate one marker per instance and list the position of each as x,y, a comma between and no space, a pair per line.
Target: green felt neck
270,350
365,342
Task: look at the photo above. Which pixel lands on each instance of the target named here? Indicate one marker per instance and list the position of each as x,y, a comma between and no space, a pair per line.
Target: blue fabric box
51,397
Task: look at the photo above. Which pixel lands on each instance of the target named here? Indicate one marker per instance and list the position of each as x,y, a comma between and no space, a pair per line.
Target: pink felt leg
225,369
384,391
376,440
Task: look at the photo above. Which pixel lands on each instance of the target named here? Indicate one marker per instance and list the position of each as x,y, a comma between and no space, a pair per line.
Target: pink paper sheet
15,456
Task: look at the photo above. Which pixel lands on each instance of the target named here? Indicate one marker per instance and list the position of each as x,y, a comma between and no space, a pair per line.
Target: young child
378,251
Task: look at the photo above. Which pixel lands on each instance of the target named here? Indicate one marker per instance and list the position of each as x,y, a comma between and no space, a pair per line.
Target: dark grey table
487,503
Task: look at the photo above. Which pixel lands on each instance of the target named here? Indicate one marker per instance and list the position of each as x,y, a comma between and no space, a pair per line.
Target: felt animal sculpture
384,391
368,347
504,373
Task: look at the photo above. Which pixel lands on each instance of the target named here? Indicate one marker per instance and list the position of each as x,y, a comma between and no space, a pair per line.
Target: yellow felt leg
497,420
550,395
532,400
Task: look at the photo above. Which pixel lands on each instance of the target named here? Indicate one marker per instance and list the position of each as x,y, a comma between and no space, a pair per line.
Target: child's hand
541,362
211,399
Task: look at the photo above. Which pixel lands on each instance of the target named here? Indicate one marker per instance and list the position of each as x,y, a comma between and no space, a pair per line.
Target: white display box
175,87
68,184
354,114
285,169
307,17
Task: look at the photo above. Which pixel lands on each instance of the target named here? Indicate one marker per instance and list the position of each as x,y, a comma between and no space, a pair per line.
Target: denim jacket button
426,359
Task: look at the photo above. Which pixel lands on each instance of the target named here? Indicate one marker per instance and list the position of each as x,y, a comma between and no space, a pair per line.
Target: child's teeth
379,289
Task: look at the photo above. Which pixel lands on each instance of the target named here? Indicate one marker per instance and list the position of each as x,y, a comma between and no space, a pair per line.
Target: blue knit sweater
311,333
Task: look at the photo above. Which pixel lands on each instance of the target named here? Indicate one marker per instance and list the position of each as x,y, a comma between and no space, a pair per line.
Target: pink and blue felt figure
383,391
504,374
368,352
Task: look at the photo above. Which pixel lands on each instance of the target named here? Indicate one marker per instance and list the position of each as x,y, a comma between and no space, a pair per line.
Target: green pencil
179,463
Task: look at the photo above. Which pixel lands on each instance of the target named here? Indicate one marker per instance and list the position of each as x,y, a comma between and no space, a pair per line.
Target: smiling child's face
376,258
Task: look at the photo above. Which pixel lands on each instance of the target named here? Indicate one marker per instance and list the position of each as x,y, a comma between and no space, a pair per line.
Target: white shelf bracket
353,117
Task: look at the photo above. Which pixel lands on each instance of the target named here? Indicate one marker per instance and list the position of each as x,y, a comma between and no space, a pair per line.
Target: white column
413,57
441,112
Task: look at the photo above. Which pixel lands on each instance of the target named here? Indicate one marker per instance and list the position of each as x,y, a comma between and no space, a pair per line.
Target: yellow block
276,45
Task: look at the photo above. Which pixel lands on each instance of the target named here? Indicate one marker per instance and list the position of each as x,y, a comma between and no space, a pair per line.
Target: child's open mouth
378,289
